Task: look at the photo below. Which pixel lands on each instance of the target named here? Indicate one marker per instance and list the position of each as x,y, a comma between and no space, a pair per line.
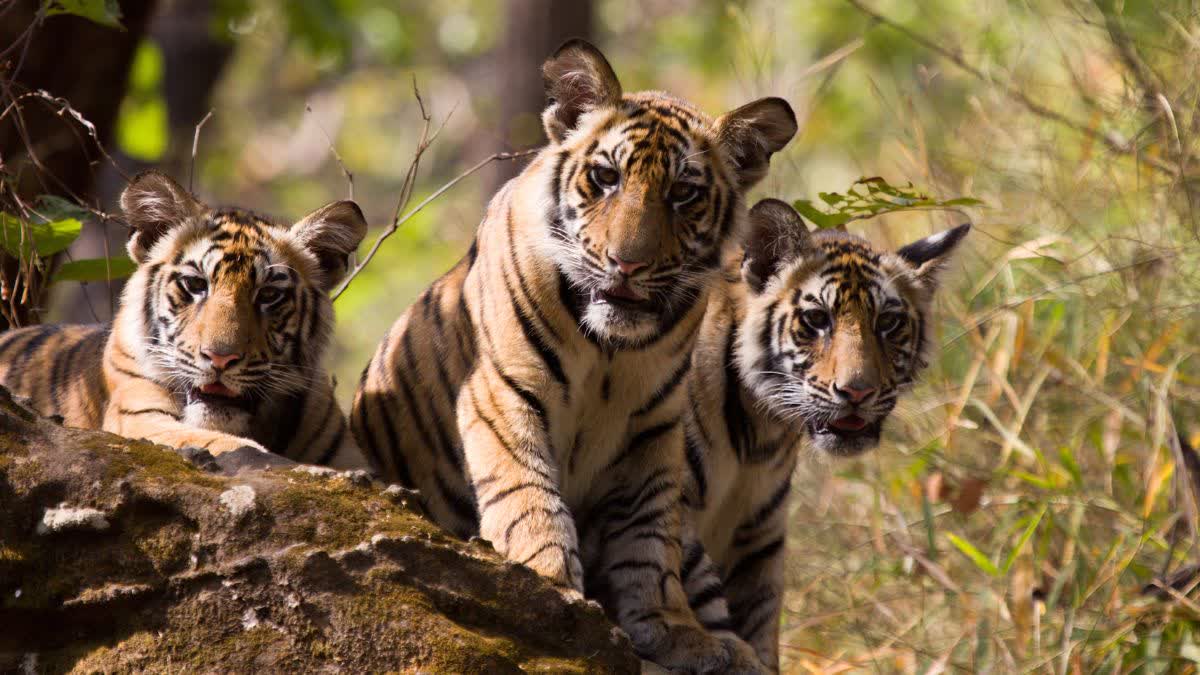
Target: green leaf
52,207
103,12
823,221
1043,483
1012,555
1067,458
95,269
870,197
48,238
968,549
927,515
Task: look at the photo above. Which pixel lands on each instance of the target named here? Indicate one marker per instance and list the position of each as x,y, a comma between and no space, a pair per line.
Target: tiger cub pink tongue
217,389
848,423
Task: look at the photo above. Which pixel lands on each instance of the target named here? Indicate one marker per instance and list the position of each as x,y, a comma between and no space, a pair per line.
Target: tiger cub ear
153,204
577,79
929,256
777,235
332,233
750,134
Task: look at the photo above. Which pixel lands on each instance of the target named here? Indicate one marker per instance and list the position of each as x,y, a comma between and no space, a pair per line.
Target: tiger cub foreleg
322,435
754,576
703,585
142,409
516,480
641,558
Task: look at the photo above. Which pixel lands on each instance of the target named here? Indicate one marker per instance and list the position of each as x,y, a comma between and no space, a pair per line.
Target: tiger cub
814,338
219,337
532,393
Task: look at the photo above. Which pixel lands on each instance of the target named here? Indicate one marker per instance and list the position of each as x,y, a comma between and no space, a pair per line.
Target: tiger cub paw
202,458
571,595
251,458
684,647
743,659
233,462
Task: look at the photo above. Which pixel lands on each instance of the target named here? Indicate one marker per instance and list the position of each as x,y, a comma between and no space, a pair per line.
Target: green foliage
103,12
95,269
870,197
142,131
45,237
971,551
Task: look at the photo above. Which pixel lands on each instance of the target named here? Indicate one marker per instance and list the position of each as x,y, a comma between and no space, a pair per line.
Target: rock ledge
119,555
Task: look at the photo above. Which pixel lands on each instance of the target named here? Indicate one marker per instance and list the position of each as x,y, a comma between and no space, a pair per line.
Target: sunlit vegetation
1032,486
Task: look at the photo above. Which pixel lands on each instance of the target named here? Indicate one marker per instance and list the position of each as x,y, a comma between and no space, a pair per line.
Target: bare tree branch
195,148
337,157
397,222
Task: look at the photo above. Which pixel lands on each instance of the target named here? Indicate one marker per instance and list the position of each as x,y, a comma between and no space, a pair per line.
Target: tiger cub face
233,308
835,329
645,191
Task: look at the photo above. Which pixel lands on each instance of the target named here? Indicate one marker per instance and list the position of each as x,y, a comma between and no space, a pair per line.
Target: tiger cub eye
817,319
888,321
604,176
193,284
682,192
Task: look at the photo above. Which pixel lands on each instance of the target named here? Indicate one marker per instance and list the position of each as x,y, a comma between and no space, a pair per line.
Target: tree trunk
193,60
534,29
42,149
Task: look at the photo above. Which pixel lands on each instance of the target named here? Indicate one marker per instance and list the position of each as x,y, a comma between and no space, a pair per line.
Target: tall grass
1031,487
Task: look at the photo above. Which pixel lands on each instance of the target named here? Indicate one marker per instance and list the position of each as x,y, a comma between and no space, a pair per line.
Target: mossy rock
119,555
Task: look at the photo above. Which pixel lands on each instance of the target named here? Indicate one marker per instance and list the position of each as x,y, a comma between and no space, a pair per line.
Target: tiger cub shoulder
219,338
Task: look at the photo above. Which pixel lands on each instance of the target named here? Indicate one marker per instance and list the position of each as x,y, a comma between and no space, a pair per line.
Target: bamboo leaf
976,556
1025,536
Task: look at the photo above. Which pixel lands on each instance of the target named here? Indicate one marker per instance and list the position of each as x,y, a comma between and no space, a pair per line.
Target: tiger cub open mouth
219,395
621,296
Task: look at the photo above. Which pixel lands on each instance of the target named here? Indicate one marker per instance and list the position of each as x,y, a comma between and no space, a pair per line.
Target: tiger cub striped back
532,394
219,337
809,337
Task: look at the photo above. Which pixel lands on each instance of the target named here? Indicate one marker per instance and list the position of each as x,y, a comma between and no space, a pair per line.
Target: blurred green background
1031,486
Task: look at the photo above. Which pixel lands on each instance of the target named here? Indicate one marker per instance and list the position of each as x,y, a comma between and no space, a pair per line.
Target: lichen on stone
63,517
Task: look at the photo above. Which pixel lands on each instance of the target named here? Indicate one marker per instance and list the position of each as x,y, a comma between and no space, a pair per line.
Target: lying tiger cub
815,337
219,338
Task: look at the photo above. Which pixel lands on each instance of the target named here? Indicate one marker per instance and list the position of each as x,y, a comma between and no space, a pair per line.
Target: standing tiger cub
810,337
219,338
533,393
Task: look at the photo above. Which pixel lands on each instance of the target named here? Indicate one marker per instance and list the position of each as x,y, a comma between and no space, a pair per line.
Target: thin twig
406,186
396,223
85,123
332,148
196,147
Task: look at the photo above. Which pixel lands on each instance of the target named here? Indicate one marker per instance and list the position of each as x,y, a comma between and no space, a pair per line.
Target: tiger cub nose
221,361
624,266
855,394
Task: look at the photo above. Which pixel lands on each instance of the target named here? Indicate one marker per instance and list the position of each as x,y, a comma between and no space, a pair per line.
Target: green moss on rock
322,573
